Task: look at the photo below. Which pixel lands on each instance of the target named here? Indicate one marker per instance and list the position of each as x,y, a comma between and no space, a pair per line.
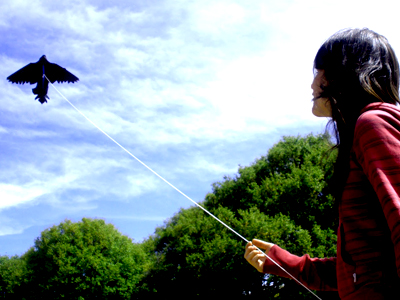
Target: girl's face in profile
321,106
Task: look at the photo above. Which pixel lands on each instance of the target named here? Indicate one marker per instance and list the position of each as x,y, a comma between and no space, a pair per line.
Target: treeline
282,197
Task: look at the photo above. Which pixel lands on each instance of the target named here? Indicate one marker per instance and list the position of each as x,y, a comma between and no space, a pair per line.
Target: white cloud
9,226
12,195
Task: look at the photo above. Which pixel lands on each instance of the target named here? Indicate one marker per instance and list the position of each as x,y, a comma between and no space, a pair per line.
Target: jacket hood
382,106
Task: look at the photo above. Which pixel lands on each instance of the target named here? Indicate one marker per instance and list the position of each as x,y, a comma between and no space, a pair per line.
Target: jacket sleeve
315,273
377,149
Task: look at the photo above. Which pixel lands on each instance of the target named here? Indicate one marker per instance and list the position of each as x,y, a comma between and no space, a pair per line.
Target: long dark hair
360,68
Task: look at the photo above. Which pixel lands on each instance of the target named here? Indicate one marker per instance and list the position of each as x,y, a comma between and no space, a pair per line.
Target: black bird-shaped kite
34,73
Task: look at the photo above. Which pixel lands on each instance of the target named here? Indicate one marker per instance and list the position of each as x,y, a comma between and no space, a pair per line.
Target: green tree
84,260
12,277
292,178
282,197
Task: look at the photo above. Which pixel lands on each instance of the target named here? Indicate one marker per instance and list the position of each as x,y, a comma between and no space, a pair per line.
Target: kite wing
31,73
56,73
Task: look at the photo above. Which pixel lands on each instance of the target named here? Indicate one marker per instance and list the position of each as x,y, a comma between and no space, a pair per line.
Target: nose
313,85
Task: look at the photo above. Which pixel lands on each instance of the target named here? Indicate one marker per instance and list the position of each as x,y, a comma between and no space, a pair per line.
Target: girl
357,86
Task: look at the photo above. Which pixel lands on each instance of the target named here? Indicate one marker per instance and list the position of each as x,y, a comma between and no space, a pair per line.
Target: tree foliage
12,277
282,197
84,260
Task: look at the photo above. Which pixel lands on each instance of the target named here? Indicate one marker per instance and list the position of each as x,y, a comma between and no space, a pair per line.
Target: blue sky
192,88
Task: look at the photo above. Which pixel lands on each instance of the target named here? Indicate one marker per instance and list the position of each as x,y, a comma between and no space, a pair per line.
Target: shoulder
378,118
378,128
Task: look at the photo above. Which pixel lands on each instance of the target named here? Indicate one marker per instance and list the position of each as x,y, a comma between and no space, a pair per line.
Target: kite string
175,188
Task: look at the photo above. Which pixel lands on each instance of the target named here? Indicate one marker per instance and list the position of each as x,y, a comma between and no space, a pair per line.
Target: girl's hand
254,256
